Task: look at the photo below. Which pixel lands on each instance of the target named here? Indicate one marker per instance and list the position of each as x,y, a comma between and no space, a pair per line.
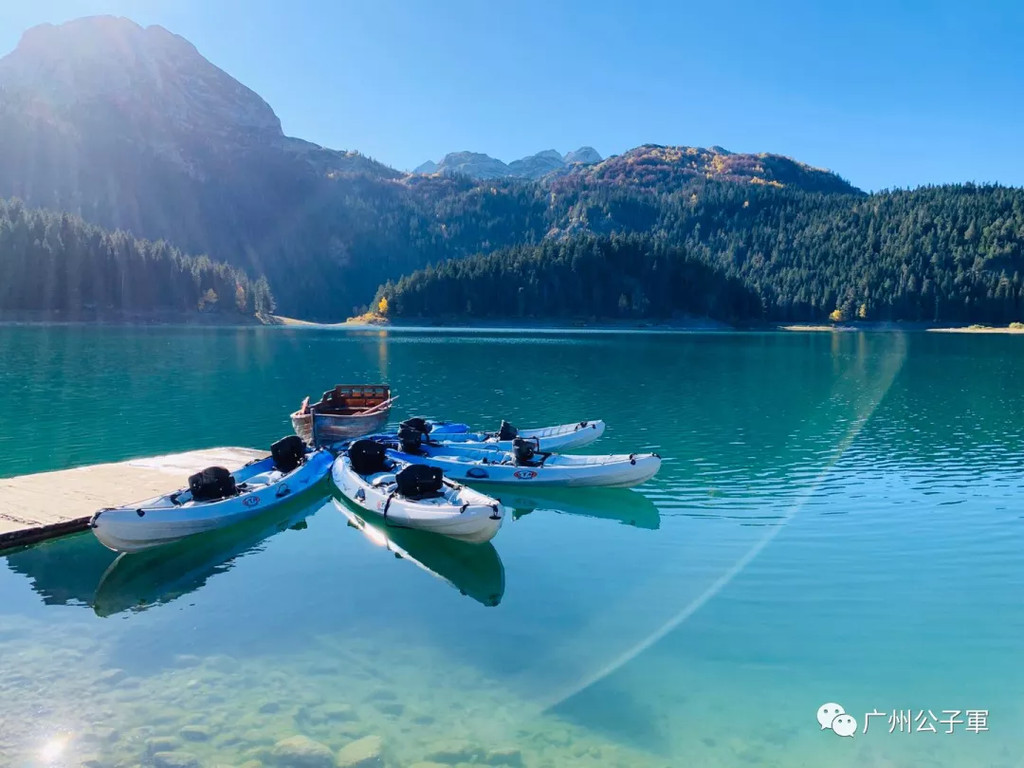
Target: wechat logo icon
833,717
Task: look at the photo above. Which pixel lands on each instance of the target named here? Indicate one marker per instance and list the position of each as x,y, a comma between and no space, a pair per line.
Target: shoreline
507,325
683,325
211,319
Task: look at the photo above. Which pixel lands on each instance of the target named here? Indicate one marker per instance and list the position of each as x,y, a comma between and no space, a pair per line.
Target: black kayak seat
368,457
418,482
288,453
212,484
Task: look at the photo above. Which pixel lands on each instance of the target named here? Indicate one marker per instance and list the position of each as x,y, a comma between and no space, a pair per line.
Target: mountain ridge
480,166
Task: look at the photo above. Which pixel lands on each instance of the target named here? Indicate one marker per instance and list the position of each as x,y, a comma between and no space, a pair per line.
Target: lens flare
54,748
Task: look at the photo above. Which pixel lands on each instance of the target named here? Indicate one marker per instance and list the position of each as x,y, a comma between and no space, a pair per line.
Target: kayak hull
562,437
460,513
158,521
476,465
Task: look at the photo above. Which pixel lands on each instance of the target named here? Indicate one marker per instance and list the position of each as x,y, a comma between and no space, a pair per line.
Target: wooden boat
414,496
346,412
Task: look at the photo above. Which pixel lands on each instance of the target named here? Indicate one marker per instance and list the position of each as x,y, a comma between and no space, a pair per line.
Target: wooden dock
49,504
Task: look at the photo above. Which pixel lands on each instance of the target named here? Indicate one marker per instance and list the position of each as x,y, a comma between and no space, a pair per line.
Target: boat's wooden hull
328,428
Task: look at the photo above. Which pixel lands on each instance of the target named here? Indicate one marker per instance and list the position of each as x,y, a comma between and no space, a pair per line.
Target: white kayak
406,496
558,438
214,499
523,465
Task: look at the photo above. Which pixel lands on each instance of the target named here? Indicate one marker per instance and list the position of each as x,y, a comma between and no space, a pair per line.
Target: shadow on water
135,582
78,570
475,570
623,505
63,571
617,713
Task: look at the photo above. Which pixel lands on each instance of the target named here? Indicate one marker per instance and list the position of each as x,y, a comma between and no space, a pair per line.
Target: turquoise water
838,519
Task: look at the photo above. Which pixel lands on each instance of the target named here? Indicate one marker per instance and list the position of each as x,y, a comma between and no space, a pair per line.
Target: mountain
650,166
583,155
473,164
537,166
483,167
654,167
131,128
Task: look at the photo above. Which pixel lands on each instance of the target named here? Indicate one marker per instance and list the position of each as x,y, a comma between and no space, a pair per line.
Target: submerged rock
102,734
367,752
111,676
453,752
195,733
223,663
175,760
338,713
390,708
506,756
301,752
160,744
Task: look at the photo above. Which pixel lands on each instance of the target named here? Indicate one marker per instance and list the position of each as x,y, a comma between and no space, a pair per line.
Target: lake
837,520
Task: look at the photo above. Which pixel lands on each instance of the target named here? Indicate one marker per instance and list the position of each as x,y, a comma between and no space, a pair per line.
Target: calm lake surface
838,519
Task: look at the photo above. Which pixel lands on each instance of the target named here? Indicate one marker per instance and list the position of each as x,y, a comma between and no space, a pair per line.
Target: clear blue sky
887,94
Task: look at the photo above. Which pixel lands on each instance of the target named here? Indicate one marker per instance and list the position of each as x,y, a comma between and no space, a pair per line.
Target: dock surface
47,504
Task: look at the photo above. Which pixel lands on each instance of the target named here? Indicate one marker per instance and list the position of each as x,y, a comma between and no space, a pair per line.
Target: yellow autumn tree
382,305
837,315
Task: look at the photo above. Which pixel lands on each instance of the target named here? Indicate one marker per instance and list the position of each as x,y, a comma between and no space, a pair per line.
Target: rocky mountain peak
148,77
584,155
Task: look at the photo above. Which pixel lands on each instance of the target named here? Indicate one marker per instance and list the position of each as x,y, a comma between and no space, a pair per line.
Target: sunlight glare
54,748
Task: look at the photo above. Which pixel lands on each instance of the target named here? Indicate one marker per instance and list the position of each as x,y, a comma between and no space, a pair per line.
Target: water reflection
78,570
624,505
63,571
135,582
475,570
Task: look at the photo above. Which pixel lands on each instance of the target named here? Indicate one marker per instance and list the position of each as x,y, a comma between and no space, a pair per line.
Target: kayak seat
288,453
368,457
418,482
212,484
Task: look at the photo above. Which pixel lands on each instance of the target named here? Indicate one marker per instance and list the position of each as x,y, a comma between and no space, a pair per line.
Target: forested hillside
58,263
939,254
621,276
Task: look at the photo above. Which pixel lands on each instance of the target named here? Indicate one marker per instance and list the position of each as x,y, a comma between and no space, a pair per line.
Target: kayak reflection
475,570
63,571
625,505
135,582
